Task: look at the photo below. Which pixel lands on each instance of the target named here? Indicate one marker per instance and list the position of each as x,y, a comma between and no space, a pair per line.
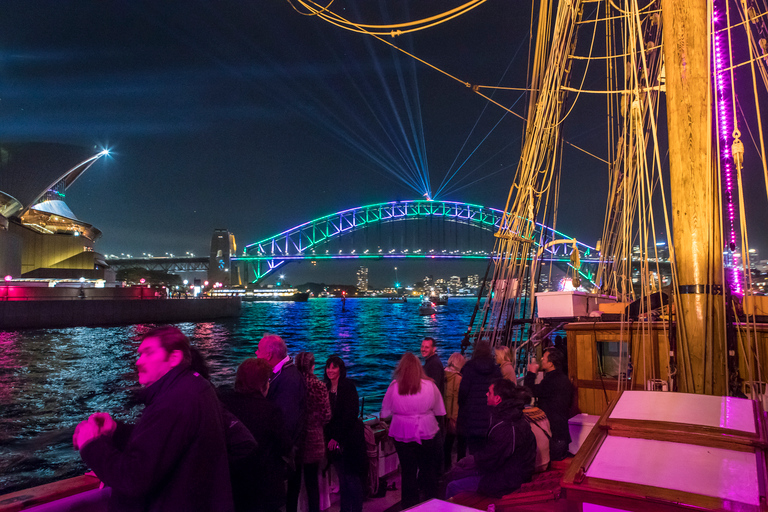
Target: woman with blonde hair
412,401
451,397
504,360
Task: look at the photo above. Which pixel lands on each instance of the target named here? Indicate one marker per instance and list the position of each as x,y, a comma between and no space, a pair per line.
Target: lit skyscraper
362,279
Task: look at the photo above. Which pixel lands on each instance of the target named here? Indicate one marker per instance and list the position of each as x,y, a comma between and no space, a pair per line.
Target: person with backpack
508,457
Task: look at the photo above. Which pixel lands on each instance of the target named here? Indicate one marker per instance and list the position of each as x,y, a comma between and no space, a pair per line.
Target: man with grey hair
286,387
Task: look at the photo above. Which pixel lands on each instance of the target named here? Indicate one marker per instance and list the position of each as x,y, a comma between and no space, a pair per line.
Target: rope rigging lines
637,211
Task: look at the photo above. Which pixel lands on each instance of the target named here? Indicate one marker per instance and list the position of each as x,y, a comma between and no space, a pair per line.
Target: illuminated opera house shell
38,229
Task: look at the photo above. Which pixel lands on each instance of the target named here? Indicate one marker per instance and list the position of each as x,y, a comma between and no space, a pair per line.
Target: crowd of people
248,446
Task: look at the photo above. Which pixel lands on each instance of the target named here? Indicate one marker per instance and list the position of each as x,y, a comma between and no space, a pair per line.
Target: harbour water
51,379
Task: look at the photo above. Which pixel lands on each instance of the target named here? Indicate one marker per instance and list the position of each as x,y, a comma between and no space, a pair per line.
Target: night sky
252,117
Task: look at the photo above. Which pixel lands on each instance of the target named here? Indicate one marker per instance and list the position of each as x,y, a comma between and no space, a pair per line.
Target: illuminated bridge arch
310,241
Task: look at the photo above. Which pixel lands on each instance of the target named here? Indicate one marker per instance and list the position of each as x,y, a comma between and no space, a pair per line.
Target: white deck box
569,304
561,304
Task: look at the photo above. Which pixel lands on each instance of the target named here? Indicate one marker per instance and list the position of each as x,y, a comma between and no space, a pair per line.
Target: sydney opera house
40,237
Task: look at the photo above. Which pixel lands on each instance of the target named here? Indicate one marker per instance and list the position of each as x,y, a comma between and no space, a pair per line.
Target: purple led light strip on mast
721,60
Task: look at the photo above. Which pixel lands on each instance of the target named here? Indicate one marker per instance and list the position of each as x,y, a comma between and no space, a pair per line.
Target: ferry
263,294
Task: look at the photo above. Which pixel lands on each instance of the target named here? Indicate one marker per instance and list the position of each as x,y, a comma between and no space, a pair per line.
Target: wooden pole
695,200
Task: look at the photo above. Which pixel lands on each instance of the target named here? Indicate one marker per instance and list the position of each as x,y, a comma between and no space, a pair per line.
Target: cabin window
612,359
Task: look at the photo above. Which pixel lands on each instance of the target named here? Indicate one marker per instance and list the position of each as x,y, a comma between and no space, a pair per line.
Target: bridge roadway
170,265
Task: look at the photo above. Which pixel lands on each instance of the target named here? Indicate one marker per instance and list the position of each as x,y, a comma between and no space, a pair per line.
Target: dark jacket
257,481
286,390
174,458
554,395
433,367
509,457
474,415
347,428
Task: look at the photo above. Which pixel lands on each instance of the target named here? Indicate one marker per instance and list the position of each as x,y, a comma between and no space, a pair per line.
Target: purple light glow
725,128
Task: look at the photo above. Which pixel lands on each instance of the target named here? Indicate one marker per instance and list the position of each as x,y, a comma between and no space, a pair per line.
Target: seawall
40,314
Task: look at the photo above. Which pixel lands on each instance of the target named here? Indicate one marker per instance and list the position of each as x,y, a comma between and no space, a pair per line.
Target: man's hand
85,432
533,366
333,445
105,423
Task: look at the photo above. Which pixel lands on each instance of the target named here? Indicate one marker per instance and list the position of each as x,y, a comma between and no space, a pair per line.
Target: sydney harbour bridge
392,230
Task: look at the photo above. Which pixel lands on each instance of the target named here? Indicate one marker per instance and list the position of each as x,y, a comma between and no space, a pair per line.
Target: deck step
542,489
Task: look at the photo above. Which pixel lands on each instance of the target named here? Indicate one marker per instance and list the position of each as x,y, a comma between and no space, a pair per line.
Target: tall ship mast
675,168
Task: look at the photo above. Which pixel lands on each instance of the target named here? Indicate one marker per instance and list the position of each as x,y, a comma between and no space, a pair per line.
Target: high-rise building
455,283
362,279
473,281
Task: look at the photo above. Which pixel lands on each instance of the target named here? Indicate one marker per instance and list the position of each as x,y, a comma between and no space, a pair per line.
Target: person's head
335,369
482,350
428,347
305,362
503,355
408,374
161,350
552,359
253,377
457,361
504,390
272,349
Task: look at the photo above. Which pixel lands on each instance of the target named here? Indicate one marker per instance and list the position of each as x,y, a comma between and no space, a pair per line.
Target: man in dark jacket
286,387
174,457
474,414
554,394
433,367
509,456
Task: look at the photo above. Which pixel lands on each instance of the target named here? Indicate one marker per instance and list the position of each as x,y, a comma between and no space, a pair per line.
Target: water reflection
51,379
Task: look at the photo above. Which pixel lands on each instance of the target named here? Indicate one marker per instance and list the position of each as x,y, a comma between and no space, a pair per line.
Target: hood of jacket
508,410
450,376
483,366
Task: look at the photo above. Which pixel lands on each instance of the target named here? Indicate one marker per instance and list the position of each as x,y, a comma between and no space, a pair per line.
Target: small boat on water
440,300
398,299
427,307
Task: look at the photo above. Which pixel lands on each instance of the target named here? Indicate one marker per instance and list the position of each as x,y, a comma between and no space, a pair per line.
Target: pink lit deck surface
591,507
726,474
440,506
712,411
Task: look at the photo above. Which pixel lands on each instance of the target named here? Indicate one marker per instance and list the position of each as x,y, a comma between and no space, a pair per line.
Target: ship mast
701,351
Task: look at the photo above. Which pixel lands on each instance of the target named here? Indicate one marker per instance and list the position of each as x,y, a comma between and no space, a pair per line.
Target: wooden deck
542,494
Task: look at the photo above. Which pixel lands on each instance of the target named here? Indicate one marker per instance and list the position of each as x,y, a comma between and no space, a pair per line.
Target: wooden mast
701,353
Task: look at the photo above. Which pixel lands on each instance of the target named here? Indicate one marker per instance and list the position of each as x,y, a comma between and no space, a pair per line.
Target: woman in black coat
257,481
474,415
344,435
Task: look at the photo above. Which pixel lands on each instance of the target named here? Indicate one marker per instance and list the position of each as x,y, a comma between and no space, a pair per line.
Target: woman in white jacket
413,401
